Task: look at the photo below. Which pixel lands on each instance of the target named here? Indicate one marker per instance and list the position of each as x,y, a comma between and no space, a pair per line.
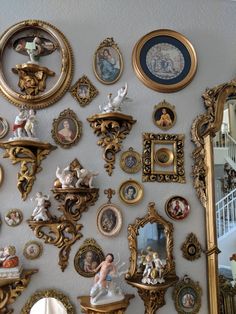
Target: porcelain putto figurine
41,210
105,289
115,103
85,177
9,263
154,268
24,125
65,177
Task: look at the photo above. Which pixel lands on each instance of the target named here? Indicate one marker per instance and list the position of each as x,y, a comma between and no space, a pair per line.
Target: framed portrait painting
88,257
13,217
177,208
164,115
109,219
131,192
33,250
67,129
164,60
108,62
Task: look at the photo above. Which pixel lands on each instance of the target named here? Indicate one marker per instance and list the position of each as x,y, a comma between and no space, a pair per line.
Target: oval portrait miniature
164,115
13,217
109,219
108,62
177,208
130,161
131,192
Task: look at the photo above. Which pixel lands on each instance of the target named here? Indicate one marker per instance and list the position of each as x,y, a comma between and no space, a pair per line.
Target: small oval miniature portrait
109,219
108,62
130,161
131,192
33,250
13,217
164,115
177,208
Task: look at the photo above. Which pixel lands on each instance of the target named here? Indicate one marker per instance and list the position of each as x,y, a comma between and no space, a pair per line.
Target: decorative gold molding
29,154
12,288
191,248
203,129
112,128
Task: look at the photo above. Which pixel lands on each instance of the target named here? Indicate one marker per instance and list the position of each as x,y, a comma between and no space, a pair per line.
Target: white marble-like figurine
24,124
65,177
40,212
85,178
114,104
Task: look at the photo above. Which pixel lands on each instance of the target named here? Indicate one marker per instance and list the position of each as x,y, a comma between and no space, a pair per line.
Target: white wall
210,26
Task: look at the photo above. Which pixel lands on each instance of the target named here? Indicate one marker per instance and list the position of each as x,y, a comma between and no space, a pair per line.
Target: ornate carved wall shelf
29,154
112,127
151,290
12,288
64,231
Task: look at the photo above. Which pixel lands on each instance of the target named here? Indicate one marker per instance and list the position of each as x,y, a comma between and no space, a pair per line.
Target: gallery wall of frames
97,100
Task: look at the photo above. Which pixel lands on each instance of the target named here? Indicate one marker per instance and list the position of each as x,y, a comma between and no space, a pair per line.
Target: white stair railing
224,140
226,214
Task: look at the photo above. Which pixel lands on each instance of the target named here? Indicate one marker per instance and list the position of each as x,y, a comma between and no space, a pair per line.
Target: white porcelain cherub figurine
30,123
65,177
40,212
19,123
85,177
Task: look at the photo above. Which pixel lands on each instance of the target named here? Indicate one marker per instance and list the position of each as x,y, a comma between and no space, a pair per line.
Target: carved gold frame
203,129
49,293
64,76
191,248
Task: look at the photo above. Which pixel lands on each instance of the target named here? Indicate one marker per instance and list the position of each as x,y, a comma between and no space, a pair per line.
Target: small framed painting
33,250
131,161
4,127
108,62
164,115
164,60
177,208
83,91
109,219
131,192
13,217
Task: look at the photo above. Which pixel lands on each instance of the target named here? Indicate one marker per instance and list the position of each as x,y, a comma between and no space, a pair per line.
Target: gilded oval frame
131,153
170,110
136,195
66,69
4,126
181,44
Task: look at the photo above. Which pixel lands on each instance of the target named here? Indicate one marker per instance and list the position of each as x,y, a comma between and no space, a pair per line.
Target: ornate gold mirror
214,171
48,302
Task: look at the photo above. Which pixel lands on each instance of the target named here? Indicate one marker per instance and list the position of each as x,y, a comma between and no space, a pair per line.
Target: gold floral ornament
191,248
42,43
83,91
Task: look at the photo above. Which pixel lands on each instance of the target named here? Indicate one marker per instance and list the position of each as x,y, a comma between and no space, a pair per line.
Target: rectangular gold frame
149,173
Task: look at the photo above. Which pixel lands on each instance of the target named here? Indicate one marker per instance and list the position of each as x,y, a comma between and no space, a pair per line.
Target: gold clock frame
49,97
203,130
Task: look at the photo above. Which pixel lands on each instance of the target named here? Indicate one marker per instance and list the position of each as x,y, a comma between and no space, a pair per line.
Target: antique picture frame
187,296
164,60
108,62
191,248
83,91
4,127
164,115
88,257
13,217
177,207
67,129
170,162
130,161
109,219
131,192
1,175
40,83
33,250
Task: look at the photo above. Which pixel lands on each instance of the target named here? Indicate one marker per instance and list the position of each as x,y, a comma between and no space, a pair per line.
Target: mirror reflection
225,186
48,306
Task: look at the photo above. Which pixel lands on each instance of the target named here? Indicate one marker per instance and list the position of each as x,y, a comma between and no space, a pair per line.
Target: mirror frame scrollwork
203,130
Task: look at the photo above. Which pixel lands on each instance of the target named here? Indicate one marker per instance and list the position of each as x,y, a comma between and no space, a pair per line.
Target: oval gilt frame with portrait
88,257
130,161
177,207
164,115
131,192
109,219
67,129
108,62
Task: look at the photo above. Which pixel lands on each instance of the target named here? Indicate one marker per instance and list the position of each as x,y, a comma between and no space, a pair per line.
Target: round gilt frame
178,198
131,153
139,189
32,257
116,229
20,215
163,105
167,152
49,293
175,37
64,78
5,127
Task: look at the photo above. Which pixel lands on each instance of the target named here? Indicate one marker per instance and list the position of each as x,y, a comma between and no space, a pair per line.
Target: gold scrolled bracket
62,234
75,201
29,154
112,128
12,288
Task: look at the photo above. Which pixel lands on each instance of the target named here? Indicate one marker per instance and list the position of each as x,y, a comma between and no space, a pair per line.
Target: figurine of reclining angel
115,103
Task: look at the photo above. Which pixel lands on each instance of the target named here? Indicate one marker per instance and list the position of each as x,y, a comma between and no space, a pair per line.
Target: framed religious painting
13,217
36,64
108,62
67,129
187,296
130,161
164,60
177,208
88,257
33,250
83,91
4,127
164,115
109,219
131,192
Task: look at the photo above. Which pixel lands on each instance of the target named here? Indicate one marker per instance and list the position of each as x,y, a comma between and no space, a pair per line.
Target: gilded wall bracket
112,128
29,154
